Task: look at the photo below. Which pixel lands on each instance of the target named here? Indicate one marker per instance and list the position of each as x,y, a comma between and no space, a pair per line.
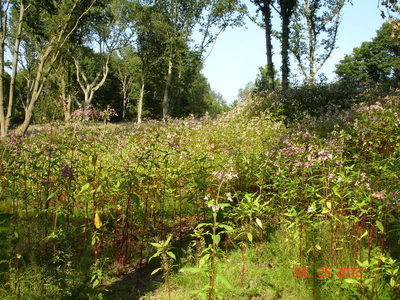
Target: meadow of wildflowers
80,204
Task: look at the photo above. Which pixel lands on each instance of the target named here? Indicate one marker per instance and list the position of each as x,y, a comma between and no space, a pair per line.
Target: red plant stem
212,256
242,271
96,249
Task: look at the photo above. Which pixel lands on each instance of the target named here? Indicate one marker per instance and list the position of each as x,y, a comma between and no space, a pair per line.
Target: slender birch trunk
165,102
140,103
3,129
6,118
124,96
39,81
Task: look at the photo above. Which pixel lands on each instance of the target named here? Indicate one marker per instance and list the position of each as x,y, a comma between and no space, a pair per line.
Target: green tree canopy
374,61
262,82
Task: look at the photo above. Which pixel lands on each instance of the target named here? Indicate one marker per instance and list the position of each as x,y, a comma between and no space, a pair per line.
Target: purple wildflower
67,171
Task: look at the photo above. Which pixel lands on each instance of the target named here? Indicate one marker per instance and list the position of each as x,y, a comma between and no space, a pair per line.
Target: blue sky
239,52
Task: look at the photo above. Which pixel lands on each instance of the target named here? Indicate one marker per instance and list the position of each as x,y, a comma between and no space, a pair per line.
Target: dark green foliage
261,83
295,103
375,61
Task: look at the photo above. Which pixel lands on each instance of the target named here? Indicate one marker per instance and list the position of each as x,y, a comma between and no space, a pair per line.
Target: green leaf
216,238
157,254
203,225
99,188
155,271
364,235
117,185
204,259
363,264
52,195
84,188
335,191
259,223
172,255
191,270
224,281
95,283
250,237
226,227
135,199
380,226
369,281
351,281
168,240
392,282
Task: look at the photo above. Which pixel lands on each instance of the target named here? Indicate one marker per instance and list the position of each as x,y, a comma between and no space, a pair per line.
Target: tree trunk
124,98
268,43
28,113
165,101
140,103
88,97
14,65
311,42
66,101
5,118
285,51
3,129
126,89
286,11
36,89
67,109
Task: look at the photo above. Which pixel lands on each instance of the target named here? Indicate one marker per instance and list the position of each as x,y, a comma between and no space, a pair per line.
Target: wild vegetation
291,193
85,203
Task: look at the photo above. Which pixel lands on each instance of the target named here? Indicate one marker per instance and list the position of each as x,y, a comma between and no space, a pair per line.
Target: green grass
268,276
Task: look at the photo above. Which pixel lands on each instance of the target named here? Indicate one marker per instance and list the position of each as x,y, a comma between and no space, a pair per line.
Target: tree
49,27
66,85
314,34
245,92
5,8
215,18
150,46
89,85
126,64
391,10
106,34
180,19
265,7
374,61
286,11
262,82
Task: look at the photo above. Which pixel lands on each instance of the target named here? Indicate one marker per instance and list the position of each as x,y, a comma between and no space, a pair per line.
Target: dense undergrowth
246,200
